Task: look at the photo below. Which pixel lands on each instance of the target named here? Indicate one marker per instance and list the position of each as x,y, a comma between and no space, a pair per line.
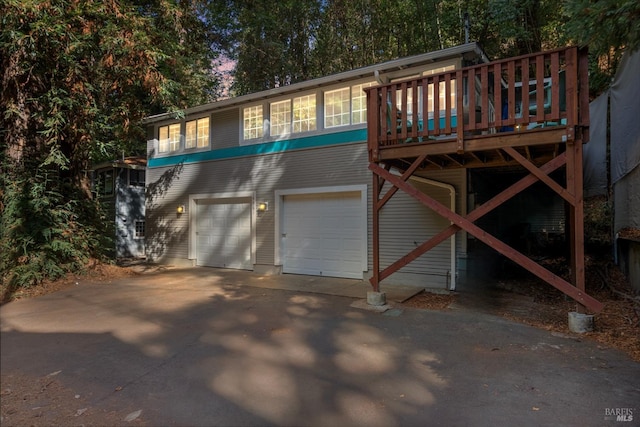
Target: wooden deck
530,111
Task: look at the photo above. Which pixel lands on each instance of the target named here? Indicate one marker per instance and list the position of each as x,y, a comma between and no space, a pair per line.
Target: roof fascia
371,70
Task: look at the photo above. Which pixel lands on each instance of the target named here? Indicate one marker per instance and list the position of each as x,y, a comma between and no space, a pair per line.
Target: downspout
452,196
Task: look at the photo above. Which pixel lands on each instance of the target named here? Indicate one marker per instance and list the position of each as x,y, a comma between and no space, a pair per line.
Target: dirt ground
616,326
43,401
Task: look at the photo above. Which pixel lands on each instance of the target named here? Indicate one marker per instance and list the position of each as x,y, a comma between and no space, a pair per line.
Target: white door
223,234
322,234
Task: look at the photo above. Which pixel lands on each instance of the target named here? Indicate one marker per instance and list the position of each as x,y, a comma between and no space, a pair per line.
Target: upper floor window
252,122
336,107
169,138
359,103
280,117
197,133
442,94
136,177
304,113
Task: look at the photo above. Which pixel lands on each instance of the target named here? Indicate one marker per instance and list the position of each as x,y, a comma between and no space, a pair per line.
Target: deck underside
552,138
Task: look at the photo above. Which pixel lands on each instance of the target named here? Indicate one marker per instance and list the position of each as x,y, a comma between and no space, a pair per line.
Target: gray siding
130,207
169,187
225,128
405,223
404,220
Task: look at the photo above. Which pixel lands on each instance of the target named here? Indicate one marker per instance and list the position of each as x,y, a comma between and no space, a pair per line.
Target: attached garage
223,233
323,233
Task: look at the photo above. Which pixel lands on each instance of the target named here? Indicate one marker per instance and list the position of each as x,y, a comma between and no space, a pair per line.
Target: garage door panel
323,234
223,232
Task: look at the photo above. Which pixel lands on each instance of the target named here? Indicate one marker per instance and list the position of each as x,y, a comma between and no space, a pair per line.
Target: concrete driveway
208,347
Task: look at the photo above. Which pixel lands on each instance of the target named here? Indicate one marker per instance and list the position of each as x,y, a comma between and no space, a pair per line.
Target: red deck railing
517,94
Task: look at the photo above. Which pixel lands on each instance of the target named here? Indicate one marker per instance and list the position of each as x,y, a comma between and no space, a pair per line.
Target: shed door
322,234
223,234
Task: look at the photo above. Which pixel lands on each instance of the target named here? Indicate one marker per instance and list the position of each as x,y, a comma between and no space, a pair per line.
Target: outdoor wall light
263,207
180,209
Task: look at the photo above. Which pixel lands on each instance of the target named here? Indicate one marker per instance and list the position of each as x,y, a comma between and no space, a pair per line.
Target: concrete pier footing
580,322
376,298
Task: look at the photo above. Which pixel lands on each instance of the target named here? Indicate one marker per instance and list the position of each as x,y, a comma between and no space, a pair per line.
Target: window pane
174,137
136,177
105,182
336,108
139,229
359,103
252,126
441,91
280,118
163,139
190,135
203,132
304,113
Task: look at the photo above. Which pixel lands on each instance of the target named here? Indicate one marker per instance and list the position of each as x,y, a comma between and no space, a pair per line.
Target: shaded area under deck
529,112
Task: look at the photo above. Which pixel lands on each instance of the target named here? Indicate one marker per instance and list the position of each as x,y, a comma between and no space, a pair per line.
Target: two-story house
277,181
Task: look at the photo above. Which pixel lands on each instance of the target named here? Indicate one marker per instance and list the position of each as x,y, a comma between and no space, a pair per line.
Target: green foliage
44,233
286,42
77,78
608,28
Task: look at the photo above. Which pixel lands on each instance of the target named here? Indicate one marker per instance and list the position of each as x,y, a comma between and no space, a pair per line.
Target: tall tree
274,40
608,28
77,77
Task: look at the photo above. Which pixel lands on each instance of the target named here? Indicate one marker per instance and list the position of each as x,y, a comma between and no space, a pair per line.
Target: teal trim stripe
266,148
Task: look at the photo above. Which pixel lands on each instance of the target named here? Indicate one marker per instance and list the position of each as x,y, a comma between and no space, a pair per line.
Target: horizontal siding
405,222
224,128
171,186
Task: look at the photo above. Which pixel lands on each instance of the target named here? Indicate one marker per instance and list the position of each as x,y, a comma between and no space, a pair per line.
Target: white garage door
322,234
223,234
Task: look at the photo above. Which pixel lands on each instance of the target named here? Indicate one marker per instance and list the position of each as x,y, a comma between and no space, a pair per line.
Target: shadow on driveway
204,347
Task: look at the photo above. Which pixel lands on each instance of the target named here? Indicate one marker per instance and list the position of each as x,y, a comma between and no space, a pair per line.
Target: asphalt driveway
207,347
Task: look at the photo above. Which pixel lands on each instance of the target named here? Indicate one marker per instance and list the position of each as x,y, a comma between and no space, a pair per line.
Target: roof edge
383,67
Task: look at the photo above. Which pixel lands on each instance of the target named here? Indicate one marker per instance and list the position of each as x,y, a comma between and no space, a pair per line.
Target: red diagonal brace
476,214
491,241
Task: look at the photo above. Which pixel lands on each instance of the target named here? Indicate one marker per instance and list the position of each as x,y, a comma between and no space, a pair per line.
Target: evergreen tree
77,77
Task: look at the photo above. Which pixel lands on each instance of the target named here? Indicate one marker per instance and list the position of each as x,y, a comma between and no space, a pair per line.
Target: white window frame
359,103
196,134
441,90
304,113
136,234
337,107
280,118
252,122
169,138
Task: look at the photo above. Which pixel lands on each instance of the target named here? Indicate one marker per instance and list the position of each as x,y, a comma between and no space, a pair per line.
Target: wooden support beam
576,217
405,176
545,136
476,214
475,156
377,188
453,160
463,223
540,175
